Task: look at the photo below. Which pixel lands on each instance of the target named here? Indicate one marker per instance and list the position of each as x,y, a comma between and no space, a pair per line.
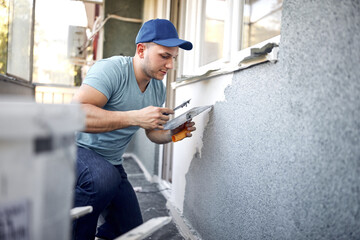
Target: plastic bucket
37,169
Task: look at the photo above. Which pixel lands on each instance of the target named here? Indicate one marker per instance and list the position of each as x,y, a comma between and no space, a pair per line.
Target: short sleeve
102,76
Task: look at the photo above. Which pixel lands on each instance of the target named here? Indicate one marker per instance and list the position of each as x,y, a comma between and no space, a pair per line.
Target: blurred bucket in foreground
37,169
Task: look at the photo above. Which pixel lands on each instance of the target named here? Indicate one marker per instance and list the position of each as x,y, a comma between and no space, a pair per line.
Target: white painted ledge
242,61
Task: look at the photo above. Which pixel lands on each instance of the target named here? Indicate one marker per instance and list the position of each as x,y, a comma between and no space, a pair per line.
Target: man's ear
140,48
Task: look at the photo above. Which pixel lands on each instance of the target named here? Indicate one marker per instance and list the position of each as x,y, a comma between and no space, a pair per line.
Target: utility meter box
37,169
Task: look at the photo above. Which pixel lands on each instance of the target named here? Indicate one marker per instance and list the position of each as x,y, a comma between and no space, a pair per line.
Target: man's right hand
152,117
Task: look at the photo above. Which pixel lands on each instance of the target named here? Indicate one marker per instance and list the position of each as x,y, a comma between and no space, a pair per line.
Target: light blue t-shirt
115,78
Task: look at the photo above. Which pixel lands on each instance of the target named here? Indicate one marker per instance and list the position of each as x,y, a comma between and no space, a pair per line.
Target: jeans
106,188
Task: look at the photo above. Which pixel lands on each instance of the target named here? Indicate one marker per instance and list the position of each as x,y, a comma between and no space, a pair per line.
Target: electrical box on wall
76,42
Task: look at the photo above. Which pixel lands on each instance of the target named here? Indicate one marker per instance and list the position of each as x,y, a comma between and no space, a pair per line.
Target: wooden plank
80,211
145,229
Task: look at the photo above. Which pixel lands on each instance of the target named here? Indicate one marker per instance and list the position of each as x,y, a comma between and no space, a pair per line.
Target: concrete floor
152,202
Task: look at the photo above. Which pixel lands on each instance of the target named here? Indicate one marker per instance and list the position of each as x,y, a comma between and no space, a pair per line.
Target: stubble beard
148,72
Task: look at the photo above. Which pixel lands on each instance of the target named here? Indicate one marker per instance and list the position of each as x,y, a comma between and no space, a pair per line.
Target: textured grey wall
281,157
120,36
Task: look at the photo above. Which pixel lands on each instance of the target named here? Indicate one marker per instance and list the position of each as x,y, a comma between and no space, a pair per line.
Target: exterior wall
279,158
206,92
119,36
145,150
12,87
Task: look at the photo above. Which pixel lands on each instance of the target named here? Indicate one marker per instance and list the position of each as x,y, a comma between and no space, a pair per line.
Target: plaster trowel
183,118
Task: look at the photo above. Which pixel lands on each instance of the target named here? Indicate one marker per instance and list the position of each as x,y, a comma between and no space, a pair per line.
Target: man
119,96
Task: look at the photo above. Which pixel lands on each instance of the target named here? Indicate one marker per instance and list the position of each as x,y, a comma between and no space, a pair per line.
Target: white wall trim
164,186
219,67
185,228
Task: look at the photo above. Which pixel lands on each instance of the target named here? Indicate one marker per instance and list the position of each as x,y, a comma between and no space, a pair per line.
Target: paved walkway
152,202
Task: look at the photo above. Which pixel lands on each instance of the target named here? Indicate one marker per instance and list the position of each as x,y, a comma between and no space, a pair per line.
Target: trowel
184,104
183,118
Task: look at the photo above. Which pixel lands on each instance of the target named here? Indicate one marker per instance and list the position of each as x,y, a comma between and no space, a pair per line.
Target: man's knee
97,181
106,182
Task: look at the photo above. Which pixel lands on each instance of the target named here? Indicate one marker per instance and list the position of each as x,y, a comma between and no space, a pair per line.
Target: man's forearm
159,136
100,120
166,136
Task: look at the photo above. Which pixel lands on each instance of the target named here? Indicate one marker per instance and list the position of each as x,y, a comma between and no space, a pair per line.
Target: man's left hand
189,126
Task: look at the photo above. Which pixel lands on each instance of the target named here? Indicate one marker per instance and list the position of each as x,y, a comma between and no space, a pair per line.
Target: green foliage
3,34
77,77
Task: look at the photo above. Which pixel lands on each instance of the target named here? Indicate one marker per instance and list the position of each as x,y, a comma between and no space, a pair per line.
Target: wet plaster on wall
281,157
202,93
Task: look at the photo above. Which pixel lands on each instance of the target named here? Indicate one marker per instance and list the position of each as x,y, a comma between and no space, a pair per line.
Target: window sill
10,79
263,52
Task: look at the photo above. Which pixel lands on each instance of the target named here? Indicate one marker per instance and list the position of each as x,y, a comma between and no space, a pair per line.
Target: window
20,39
48,49
213,25
61,54
261,21
59,24
219,29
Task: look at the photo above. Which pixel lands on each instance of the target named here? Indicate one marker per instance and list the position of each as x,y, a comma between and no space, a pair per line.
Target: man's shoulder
109,73
116,66
117,60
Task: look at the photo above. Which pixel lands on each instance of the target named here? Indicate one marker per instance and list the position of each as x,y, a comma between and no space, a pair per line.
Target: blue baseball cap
162,32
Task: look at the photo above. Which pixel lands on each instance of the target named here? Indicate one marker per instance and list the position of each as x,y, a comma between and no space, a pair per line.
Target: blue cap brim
175,42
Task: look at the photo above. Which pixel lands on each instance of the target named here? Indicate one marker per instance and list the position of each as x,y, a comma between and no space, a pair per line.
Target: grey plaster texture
281,155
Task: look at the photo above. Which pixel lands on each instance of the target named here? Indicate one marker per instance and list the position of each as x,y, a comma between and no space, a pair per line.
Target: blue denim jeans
106,188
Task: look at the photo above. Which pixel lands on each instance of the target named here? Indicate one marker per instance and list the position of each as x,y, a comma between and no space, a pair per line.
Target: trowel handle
180,135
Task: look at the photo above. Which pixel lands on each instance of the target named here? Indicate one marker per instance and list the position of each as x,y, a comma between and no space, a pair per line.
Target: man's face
158,60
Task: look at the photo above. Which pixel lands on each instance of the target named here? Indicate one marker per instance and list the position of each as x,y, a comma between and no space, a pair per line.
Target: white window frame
21,41
191,29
